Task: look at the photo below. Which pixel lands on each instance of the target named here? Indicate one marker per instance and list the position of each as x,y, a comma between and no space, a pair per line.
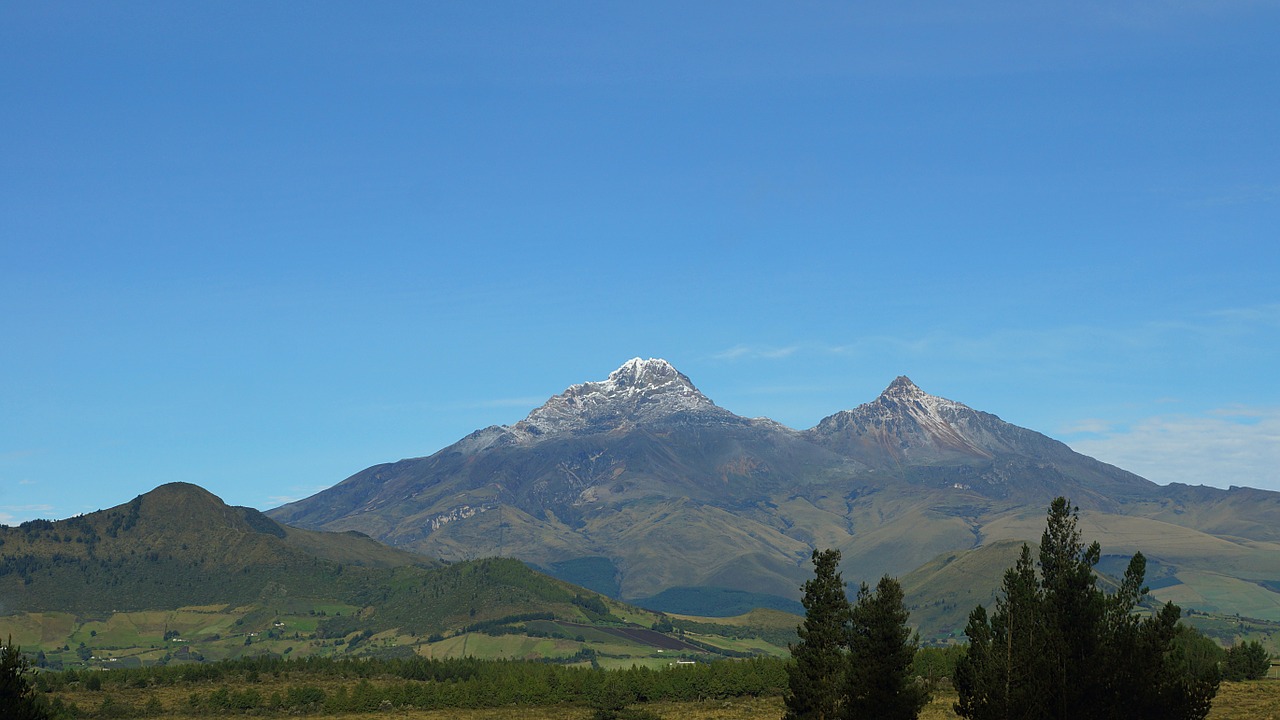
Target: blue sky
261,246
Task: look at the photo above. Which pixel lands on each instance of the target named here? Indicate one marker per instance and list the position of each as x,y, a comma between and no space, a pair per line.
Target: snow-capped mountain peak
640,375
639,391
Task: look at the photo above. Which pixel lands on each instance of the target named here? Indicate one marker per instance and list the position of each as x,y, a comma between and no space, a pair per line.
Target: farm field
289,628
1258,700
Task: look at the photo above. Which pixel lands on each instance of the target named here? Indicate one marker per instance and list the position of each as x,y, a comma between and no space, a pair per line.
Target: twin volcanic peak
653,391
646,482
903,424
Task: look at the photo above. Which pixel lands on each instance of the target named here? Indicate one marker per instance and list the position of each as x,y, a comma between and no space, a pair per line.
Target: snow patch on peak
639,373
902,401
639,391
904,392
909,424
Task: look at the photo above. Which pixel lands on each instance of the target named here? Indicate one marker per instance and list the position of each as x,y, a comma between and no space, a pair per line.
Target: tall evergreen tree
976,679
1073,610
879,682
18,700
1002,674
815,678
1124,681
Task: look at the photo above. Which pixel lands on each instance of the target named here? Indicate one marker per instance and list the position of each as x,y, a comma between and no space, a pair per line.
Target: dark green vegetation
332,686
855,662
180,545
18,699
177,576
880,683
642,488
1058,646
1246,661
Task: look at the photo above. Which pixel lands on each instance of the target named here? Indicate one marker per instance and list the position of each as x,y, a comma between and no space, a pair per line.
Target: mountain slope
644,474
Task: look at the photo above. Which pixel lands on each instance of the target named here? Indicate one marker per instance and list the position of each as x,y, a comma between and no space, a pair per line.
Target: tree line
321,685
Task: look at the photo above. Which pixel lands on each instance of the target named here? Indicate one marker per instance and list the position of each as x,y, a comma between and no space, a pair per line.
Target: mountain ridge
646,472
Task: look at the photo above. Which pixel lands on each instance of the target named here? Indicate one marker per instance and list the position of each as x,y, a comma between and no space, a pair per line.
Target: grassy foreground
1257,700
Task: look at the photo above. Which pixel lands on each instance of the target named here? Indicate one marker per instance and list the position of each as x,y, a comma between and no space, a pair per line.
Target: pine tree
1073,612
879,682
1127,683
976,678
18,699
1062,648
1002,674
815,676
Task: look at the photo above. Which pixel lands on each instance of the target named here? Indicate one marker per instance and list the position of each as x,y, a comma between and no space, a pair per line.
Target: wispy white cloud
1230,446
296,493
750,352
11,514
784,389
278,500
26,481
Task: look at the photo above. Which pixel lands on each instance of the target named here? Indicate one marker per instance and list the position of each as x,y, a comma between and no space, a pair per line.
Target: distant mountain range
641,487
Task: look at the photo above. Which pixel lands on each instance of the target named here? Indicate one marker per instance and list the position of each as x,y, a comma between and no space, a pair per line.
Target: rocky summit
638,393
640,486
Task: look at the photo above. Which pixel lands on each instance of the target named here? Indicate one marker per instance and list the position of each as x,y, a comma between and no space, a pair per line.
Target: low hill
180,545
176,574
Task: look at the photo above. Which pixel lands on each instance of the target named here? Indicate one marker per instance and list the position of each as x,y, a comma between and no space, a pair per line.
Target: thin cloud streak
10,514
748,352
278,500
1229,446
